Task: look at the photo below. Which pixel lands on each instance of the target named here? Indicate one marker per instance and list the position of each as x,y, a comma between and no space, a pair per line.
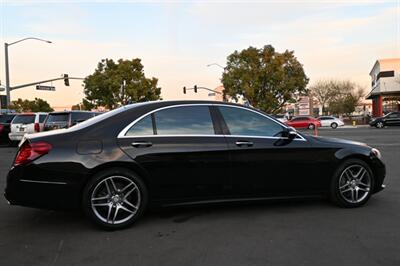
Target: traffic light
195,88
66,80
184,90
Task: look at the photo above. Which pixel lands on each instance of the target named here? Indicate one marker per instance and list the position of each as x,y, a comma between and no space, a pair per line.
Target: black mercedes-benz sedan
390,119
117,164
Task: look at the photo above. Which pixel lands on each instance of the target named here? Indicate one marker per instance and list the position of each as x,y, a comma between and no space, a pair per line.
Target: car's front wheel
334,125
352,184
115,198
380,124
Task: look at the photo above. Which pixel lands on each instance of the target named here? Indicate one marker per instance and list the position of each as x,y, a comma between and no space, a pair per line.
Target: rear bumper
16,136
44,194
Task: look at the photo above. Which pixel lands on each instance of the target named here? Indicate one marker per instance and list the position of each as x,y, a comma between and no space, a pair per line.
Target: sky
176,40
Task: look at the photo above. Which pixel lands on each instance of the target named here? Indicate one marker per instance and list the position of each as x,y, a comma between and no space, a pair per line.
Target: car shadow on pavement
181,214
49,220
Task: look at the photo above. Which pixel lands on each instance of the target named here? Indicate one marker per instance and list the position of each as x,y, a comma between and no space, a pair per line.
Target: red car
304,122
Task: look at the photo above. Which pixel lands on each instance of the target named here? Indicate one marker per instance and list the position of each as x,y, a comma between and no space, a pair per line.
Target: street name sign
45,88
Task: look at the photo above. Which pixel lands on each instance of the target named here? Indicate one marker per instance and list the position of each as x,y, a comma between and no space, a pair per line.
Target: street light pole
7,88
6,45
216,64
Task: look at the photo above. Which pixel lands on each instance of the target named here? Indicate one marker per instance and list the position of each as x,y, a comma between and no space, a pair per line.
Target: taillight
1,128
37,127
31,151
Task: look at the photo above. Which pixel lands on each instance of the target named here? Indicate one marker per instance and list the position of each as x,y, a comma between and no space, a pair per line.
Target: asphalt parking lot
275,233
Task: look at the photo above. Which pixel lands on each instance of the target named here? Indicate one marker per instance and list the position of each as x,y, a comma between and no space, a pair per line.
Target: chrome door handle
241,143
139,144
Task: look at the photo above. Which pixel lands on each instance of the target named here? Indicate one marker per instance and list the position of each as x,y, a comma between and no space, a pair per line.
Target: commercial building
385,92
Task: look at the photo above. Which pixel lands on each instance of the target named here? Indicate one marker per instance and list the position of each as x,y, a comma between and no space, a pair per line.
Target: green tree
78,106
105,86
323,91
266,78
37,105
345,98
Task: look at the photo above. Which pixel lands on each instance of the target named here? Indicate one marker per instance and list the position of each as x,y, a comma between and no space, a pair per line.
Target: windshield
60,117
24,119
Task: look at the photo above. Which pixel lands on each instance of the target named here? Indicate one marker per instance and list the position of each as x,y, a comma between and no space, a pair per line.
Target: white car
281,118
330,121
26,123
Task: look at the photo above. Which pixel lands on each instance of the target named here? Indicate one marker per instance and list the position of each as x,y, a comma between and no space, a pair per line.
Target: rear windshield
58,118
24,119
6,118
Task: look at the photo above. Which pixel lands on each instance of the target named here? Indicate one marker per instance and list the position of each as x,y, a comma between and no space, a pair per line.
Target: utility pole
122,91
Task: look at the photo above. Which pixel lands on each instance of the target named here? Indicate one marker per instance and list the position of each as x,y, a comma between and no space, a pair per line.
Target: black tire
335,194
379,125
334,125
99,179
311,126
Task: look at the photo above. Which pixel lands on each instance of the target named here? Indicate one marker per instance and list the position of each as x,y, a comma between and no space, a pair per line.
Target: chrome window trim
42,182
122,133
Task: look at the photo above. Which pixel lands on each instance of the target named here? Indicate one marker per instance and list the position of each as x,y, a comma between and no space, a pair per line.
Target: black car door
263,162
182,151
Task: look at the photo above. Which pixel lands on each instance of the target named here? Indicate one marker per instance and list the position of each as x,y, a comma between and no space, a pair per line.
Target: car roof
25,114
164,103
73,111
305,116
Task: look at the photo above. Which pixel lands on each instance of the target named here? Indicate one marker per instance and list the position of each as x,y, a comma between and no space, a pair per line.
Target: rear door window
143,127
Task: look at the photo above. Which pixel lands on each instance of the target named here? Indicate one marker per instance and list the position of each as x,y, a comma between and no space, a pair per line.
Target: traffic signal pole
195,88
43,81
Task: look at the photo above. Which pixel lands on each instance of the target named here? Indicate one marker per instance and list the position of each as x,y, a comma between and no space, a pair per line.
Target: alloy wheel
311,126
334,125
115,199
355,184
379,125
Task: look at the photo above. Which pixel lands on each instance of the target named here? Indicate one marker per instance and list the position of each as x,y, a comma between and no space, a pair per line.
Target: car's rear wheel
311,126
334,125
115,198
352,184
380,124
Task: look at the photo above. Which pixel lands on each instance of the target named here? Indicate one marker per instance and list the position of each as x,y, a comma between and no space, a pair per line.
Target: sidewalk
345,127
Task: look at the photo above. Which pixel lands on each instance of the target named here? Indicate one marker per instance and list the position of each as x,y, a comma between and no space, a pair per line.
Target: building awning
372,95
